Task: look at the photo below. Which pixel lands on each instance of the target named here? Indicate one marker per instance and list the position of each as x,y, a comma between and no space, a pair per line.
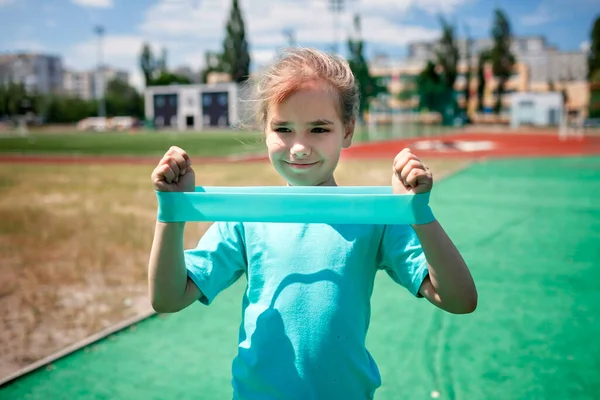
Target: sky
188,28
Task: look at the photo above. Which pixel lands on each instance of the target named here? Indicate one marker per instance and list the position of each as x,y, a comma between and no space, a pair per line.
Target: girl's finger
174,166
168,173
414,175
409,167
181,163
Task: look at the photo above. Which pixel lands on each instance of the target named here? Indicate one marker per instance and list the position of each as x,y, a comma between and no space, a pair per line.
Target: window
206,100
526,103
223,99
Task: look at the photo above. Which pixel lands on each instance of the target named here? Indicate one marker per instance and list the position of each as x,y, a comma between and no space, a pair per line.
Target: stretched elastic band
302,204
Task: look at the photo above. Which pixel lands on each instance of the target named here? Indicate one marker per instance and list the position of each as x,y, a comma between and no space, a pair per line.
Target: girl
306,306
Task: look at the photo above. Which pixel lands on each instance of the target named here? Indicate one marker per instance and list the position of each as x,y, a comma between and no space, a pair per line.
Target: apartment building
539,67
87,84
39,73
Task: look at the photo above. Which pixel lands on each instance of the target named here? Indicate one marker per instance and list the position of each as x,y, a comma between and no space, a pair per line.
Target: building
545,62
536,109
193,107
539,67
39,73
87,84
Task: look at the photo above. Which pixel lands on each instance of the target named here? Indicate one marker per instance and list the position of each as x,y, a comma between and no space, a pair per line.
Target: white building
536,109
87,84
545,62
39,73
193,107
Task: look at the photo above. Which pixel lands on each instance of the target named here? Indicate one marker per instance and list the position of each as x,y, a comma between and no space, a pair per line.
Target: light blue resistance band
300,204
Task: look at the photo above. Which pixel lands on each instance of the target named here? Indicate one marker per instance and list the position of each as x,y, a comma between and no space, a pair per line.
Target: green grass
206,144
529,230
199,144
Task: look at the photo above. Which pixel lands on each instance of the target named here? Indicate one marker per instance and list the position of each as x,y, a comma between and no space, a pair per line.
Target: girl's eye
282,130
319,130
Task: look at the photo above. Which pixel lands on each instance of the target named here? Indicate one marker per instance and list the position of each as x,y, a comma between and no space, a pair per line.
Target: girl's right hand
174,172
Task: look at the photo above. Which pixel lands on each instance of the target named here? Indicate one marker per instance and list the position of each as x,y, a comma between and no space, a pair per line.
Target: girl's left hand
410,175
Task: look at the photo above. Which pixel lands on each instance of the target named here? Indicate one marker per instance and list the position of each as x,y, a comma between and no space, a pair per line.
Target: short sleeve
402,257
218,260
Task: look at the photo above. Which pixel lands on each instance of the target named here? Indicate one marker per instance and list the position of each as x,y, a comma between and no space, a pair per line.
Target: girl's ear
349,132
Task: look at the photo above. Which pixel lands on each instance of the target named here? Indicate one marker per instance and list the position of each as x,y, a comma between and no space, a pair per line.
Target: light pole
336,7
99,30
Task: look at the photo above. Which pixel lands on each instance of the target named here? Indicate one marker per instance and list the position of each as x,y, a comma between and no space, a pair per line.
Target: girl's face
305,136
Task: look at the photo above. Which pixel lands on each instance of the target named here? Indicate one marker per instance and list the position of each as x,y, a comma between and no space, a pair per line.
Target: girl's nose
300,150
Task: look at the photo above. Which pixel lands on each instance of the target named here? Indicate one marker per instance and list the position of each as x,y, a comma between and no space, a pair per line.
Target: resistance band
300,204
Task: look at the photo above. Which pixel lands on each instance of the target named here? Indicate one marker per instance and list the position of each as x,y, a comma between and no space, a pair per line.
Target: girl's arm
169,286
449,284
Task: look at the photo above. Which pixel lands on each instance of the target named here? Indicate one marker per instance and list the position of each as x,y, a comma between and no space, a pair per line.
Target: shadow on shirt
256,378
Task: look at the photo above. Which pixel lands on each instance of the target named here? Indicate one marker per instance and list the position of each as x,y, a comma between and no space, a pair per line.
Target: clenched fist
410,175
174,172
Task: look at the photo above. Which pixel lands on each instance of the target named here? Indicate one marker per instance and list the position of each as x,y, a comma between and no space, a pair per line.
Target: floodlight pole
99,30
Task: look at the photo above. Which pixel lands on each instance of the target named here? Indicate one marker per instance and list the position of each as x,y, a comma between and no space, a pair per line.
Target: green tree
235,59
448,54
594,70
468,56
594,105
433,91
169,78
369,86
15,101
502,58
148,64
211,64
123,100
594,51
161,63
484,57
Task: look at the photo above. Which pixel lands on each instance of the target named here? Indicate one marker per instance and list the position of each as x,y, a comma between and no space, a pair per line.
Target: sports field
528,228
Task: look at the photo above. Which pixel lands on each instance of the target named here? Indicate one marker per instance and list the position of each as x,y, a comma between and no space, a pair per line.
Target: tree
484,57
235,59
169,78
501,56
161,63
468,56
433,92
448,54
123,99
594,70
369,87
148,64
211,64
594,51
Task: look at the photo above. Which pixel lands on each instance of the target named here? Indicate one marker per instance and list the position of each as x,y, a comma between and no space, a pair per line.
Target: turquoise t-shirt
306,308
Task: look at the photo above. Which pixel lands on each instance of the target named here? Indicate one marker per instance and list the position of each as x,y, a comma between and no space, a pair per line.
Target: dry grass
74,244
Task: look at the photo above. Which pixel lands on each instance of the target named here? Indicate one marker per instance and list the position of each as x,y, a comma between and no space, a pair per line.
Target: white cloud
585,46
189,28
94,3
540,16
203,22
25,45
119,51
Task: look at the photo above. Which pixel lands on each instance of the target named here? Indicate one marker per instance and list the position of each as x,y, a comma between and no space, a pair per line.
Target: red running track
462,145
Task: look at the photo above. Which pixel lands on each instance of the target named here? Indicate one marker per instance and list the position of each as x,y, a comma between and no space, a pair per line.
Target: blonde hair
294,69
